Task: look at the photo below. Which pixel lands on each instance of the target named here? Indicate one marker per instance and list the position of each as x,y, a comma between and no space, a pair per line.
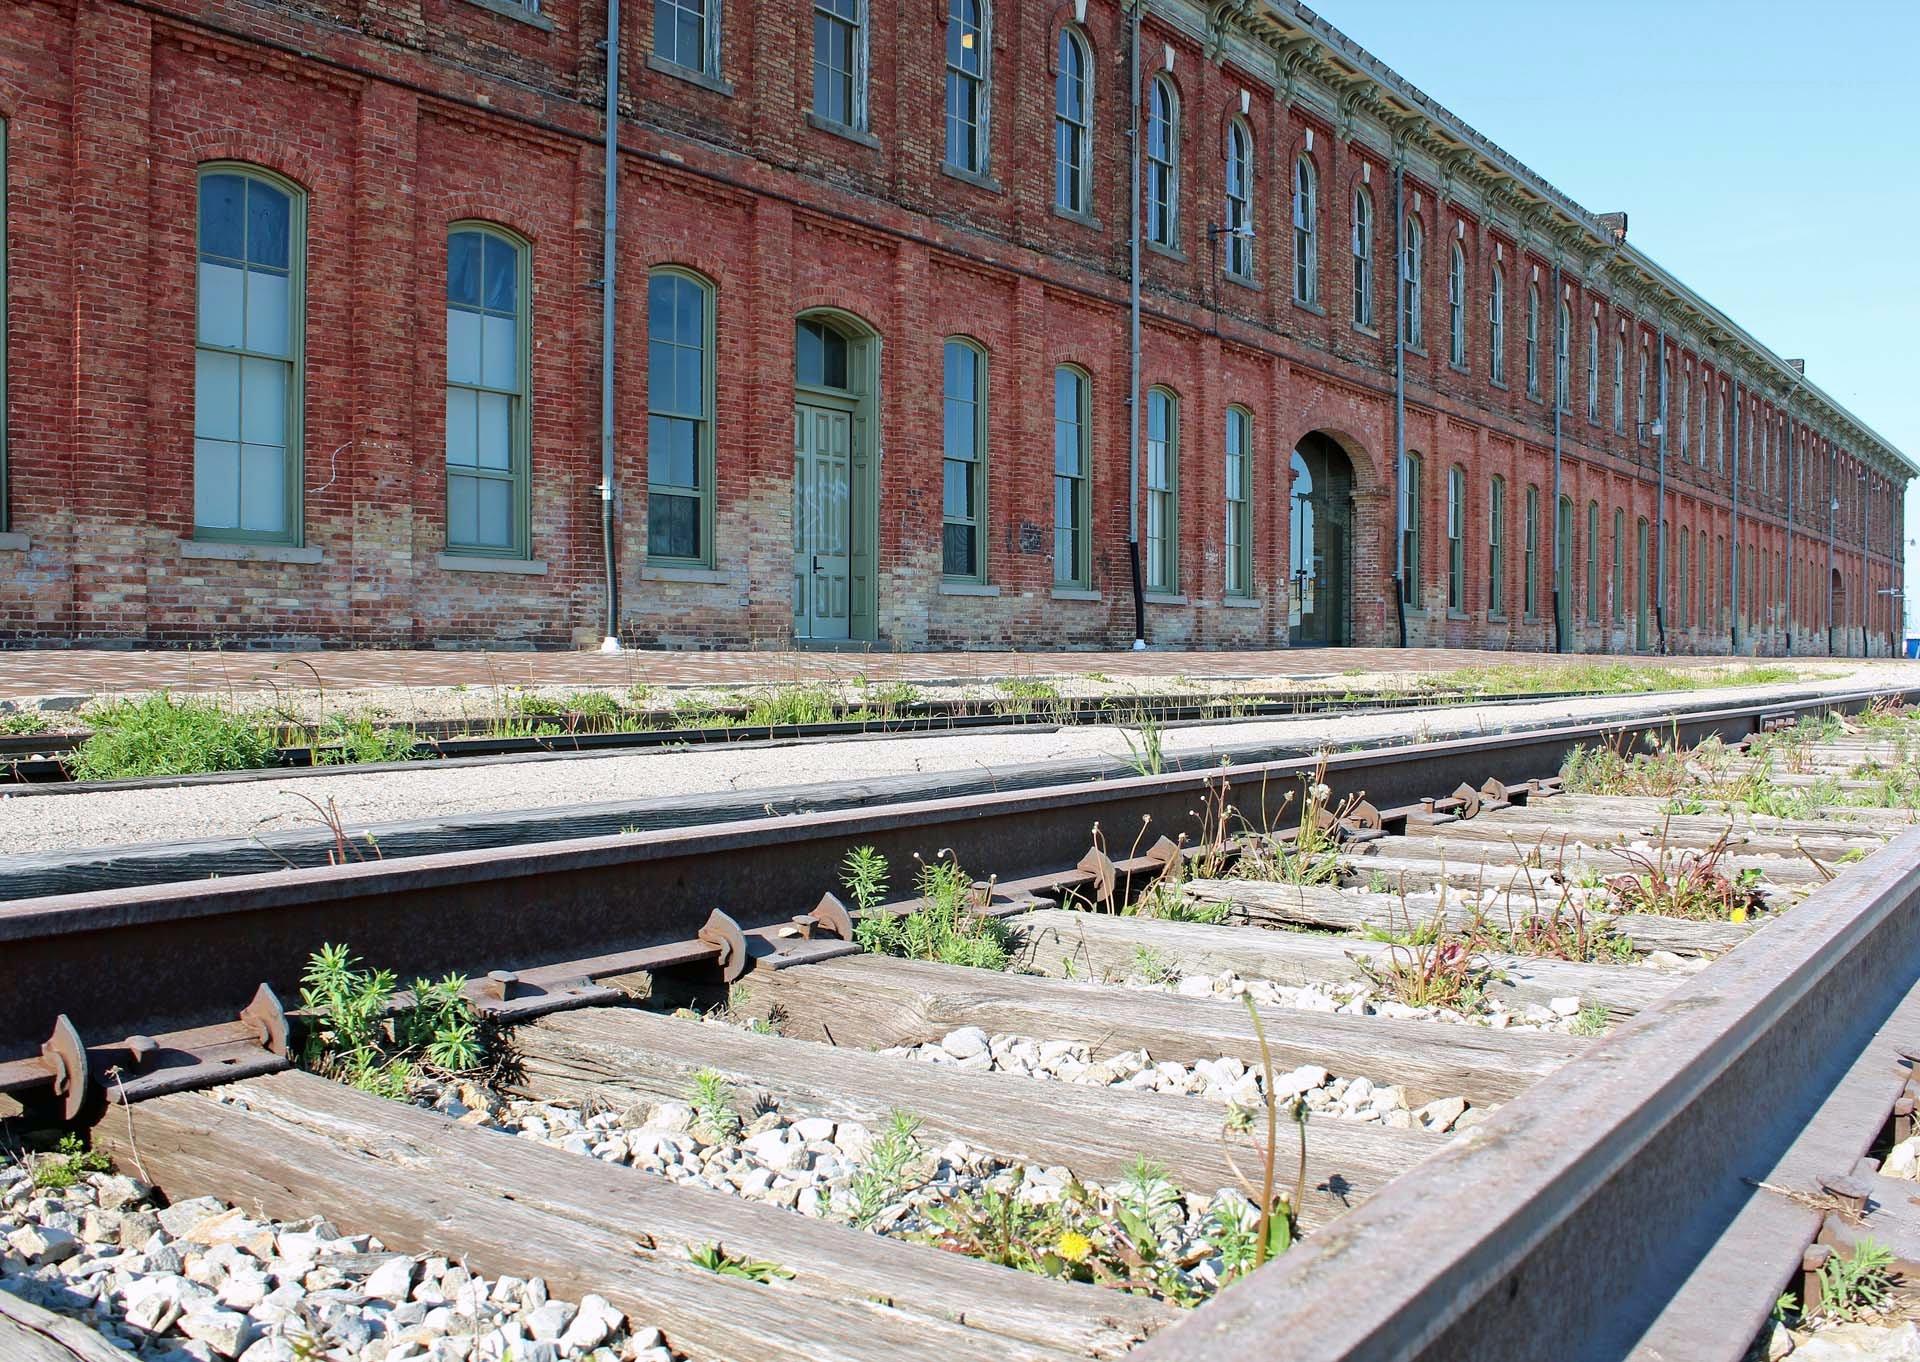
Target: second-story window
1410,283
1533,340
1072,124
1686,400
1619,384
1497,326
687,33
1593,371
1640,399
968,101
1239,211
1457,305
1362,258
1306,215
1562,344
1163,164
840,62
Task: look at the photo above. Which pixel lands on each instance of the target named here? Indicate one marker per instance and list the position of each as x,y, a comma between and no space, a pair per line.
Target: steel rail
190,953
1616,1208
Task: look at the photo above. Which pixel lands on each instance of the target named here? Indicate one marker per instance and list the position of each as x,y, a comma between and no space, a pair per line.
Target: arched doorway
1320,535
836,384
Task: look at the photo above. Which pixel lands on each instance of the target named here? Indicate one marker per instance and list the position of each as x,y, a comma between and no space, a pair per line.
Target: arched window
248,370
1072,468
1239,208
487,393
1593,372
680,418
1457,306
1410,530
1163,164
1709,584
1530,554
1593,561
969,98
964,462
1619,566
1563,558
1072,123
1497,546
686,33
840,62
1239,502
1640,399
1456,539
1362,258
1410,283
1686,401
1685,578
1497,325
1562,344
1163,491
1533,340
1306,217
1619,384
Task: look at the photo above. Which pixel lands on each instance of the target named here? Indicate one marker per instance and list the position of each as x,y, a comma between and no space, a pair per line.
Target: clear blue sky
1767,154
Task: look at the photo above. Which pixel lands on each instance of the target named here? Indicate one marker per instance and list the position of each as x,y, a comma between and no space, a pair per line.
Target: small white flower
1320,792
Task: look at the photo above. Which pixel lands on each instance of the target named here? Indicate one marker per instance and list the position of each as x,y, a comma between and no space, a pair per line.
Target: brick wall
399,117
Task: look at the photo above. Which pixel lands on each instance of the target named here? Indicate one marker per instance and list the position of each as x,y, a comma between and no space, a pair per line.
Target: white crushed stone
200,1281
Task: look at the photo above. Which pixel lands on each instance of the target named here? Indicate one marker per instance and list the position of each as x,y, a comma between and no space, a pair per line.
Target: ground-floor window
1239,564
1163,495
1072,557
964,467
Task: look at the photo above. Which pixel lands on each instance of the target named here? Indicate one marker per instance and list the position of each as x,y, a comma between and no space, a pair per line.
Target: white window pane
501,368
495,512
462,441
263,401
220,305
496,430
267,329
462,519
463,346
263,488
216,395
216,484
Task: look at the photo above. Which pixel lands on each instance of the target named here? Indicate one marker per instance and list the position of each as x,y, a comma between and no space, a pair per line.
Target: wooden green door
822,522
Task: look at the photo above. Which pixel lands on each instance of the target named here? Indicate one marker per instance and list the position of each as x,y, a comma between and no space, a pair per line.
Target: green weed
70,1161
161,736
716,1259
355,1033
711,1097
883,1177
943,926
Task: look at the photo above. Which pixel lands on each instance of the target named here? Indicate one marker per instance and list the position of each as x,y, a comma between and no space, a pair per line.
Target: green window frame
1530,545
1163,491
1593,372
1410,530
1619,566
1072,477
1496,546
686,33
1239,487
1411,247
963,506
488,392
1163,164
1707,583
1686,581
1563,559
6,510
680,381
840,63
1619,385
1533,340
1456,538
1593,560
249,362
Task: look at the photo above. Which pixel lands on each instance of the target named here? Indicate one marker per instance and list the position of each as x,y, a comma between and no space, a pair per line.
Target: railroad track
1583,1074
40,761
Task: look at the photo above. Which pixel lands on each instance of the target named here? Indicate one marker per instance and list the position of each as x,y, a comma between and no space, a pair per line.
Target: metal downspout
1833,500
1660,512
1793,479
1133,333
610,642
1400,398
1733,561
1559,640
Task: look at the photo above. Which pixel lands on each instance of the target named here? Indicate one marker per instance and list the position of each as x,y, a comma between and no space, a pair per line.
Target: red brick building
304,304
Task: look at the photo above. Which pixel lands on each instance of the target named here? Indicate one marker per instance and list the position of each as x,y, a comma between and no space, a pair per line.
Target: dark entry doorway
1320,521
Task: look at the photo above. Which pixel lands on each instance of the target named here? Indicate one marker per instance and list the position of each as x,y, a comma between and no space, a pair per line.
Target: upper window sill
507,9
1075,593
1246,281
1086,220
13,541
220,551
1241,602
978,179
705,80
668,572
1170,252
461,562
968,589
1458,368
1497,383
1164,597
1367,330
846,130
1306,305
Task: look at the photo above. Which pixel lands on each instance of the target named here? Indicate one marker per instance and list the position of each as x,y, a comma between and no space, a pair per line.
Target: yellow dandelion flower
1738,915
1074,1246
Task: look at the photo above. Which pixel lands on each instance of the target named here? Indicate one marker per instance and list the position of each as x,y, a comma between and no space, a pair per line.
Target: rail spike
65,1056
724,935
832,915
268,1021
